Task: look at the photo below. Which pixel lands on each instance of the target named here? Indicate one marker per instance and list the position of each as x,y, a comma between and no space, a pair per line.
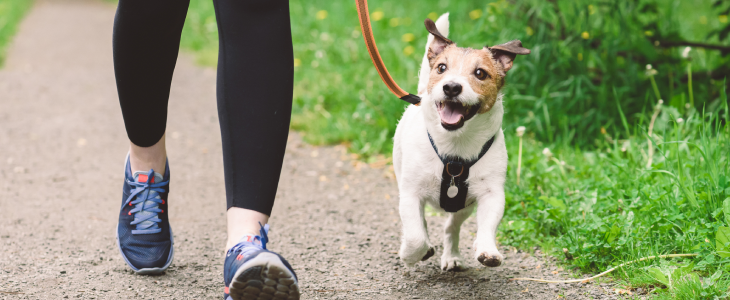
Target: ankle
242,222
146,158
233,241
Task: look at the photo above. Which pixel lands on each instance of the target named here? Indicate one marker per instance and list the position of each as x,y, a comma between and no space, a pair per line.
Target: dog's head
464,82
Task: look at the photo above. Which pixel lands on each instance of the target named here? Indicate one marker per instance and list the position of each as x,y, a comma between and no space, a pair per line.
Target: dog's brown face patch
479,67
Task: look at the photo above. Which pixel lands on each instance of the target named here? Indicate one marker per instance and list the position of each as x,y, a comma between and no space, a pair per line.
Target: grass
593,180
605,207
11,12
573,79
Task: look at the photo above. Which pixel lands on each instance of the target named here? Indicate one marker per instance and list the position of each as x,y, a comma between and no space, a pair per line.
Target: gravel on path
62,146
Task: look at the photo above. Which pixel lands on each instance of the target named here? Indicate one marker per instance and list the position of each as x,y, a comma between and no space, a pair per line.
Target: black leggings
254,87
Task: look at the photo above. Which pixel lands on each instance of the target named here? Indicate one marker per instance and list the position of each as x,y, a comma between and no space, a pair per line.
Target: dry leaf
622,291
323,178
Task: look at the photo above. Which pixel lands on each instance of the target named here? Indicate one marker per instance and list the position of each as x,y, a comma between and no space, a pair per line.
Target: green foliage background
11,12
586,55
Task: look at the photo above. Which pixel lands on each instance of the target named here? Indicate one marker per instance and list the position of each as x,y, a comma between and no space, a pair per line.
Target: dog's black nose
452,89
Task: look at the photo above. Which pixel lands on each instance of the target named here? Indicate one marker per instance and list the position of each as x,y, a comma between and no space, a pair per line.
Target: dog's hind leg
451,260
415,245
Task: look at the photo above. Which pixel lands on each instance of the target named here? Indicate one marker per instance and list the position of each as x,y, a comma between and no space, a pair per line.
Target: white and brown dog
457,124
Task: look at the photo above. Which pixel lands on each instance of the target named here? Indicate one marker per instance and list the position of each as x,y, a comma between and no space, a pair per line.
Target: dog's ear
439,40
506,53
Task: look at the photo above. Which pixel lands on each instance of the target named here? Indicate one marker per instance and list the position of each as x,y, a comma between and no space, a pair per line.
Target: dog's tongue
452,113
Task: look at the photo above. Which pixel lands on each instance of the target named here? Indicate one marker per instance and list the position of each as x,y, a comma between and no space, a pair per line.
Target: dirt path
62,145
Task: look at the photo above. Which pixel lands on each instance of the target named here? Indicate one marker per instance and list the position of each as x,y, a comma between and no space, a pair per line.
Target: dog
460,116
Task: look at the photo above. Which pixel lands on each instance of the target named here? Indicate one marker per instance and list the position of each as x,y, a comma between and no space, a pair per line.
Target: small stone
63,272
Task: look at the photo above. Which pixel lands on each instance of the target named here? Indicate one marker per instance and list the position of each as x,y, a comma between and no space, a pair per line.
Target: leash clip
453,190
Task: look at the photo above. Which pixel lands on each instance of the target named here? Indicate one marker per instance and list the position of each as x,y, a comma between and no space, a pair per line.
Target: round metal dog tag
452,191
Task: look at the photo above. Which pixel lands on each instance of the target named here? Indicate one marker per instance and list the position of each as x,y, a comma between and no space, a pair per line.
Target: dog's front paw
452,263
411,254
490,260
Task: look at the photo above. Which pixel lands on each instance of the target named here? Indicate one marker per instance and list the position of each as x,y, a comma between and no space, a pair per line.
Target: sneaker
252,272
144,236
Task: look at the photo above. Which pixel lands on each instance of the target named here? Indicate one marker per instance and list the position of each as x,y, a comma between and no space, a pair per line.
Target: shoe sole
264,277
148,271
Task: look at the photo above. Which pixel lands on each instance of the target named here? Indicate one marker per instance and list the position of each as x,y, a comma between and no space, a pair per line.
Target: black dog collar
453,180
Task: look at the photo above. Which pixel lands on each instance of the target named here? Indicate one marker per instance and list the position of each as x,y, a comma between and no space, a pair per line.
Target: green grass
11,12
584,94
605,207
568,83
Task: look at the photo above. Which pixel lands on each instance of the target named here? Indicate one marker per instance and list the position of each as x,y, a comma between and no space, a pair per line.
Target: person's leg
145,43
255,85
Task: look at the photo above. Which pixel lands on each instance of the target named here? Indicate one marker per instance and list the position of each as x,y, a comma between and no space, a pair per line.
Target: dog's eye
481,74
441,68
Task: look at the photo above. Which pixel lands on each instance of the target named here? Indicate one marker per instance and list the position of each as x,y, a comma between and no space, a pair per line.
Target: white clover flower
547,152
520,131
650,71
680,120
686,51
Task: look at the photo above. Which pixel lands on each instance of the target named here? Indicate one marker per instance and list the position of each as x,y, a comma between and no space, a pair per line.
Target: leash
367,33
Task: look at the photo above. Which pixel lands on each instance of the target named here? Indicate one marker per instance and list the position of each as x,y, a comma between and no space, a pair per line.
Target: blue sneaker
144,236
252,272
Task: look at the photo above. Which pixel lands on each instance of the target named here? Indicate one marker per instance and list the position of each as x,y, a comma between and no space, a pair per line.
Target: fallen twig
657,109
607,271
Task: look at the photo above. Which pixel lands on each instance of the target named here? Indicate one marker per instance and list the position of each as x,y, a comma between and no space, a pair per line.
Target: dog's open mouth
454,114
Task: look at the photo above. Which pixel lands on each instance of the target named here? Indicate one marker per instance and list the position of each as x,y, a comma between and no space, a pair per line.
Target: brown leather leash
367,33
